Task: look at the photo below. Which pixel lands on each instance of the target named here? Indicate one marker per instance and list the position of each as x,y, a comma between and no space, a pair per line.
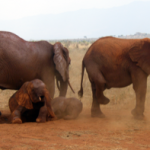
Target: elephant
66,108
22,61
32,102
113,62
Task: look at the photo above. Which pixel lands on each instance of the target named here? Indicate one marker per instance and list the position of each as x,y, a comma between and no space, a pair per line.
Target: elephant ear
59,60
22,96
140,53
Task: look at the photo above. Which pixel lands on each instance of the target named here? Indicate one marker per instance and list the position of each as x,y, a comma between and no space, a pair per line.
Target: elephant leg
99,94
42,114
98,85
16,115
140,86
95,110
48,79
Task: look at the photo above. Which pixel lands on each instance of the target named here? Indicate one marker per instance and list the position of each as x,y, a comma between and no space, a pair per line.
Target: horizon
91,21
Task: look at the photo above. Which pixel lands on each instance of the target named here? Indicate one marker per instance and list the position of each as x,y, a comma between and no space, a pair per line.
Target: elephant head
33,92
62,60
140,54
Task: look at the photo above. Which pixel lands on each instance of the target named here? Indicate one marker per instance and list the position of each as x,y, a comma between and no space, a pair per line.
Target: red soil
118,131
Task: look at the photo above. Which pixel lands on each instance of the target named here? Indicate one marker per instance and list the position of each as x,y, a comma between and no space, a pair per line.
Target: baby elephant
31,102
66,108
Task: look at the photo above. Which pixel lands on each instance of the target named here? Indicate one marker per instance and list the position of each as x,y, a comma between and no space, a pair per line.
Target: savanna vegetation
118,131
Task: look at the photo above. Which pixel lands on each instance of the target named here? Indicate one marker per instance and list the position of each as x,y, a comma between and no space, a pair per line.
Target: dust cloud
117,131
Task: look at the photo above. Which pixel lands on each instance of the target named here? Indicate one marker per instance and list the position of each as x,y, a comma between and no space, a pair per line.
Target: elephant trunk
62,84
63,88
48,104
69,81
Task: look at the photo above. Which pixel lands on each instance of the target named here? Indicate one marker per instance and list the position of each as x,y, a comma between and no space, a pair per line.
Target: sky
16,9
72,19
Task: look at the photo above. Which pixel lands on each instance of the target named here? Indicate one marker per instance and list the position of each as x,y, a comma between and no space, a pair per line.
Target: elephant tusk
58,86
39,98
70,86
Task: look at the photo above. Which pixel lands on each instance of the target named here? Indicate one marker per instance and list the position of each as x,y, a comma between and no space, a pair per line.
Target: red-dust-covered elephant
113,62
32,102
66,108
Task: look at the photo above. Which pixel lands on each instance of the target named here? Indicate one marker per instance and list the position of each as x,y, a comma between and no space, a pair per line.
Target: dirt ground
117,131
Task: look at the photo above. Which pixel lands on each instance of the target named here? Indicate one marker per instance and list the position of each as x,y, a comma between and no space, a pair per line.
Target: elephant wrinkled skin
31,102
66,108
113,62
22,61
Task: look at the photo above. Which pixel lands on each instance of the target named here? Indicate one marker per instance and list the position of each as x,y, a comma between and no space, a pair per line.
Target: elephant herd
32,102
31,69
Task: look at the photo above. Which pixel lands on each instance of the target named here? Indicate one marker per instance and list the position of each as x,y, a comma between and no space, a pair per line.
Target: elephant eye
42,97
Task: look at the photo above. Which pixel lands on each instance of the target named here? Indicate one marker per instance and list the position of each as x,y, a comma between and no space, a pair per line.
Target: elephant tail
80,92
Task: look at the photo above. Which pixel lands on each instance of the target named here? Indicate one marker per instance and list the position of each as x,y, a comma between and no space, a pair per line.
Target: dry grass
119,98
118,131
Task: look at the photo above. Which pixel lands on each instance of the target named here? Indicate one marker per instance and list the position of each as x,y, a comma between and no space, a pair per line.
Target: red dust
118,131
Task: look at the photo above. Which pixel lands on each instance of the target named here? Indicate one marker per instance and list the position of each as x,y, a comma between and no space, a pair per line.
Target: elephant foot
100,115
16,121
104,100
137,115
40,120
97,113
52,119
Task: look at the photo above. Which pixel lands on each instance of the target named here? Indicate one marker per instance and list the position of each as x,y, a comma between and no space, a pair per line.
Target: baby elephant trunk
48,100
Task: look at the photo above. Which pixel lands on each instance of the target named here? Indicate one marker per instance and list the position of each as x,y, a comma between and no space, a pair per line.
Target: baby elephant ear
59,60
140,53
22,96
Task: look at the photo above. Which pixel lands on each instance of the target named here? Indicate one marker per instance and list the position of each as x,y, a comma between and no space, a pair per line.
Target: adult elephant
22,61
113,62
